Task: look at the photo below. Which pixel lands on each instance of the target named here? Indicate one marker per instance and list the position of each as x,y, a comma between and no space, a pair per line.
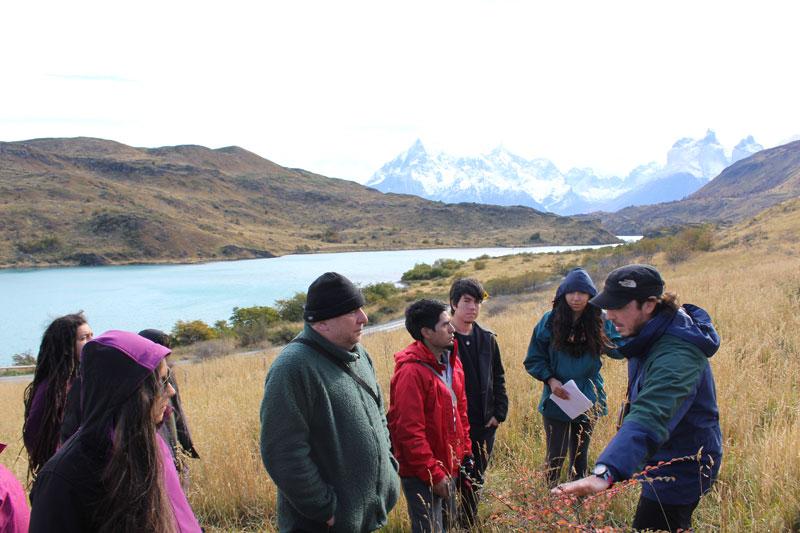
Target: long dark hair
585,335
57,363
135,498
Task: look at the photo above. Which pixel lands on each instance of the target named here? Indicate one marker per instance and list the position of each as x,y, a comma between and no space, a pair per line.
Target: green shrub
479,265
699,238
45,245
189,332
647,248
283,333
251,324
525,282
291,309
441,268
676,251
377,292
331,235
222,329
678,248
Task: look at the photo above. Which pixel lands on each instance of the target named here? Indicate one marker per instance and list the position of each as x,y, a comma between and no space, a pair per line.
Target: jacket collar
418,351
340,353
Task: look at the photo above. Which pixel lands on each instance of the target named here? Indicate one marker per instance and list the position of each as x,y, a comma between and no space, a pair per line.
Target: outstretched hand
581,487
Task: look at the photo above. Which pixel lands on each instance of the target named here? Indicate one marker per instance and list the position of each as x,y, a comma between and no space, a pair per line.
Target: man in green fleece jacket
324,439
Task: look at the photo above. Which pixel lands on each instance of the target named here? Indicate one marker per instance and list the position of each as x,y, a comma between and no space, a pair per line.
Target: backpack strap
341,364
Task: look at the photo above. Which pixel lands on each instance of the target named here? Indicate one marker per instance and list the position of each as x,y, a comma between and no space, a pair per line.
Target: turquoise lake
157,296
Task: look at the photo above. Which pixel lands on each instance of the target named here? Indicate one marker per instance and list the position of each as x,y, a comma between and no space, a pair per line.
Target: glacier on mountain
503,178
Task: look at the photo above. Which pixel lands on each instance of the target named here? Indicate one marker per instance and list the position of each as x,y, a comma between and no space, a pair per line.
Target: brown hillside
740,191
91,201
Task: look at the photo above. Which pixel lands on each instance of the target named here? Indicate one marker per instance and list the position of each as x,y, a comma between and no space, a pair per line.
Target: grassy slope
63,197
751,287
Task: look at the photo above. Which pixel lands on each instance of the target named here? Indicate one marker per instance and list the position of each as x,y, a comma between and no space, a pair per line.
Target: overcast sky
341,87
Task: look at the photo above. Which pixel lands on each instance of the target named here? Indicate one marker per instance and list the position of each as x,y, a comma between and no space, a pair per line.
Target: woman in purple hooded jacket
116,473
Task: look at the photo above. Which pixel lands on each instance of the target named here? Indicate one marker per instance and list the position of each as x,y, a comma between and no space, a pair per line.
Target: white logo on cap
629,283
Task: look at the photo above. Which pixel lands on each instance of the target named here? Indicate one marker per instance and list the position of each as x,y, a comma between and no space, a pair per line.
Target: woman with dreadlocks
116,473
566,345
46,396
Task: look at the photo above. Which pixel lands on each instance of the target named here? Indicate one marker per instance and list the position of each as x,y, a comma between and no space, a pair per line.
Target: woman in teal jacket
566,345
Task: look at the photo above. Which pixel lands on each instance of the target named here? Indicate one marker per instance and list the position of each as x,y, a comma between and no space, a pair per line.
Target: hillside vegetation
740,191
748,280
91,201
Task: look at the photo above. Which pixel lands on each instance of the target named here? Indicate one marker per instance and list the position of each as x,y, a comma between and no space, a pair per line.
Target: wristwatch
602,471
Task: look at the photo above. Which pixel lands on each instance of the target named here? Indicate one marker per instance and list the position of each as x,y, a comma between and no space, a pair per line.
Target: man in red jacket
428,416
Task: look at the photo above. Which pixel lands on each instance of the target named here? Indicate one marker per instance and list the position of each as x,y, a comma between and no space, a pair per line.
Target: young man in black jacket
487,403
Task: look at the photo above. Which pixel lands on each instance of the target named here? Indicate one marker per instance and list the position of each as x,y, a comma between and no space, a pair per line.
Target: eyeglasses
166,379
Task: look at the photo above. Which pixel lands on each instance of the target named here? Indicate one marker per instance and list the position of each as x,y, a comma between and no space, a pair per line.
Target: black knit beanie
329,296
157,336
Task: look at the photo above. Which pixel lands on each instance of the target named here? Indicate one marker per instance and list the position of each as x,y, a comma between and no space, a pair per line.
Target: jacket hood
417,351
689,323
693,325
577,280
113,367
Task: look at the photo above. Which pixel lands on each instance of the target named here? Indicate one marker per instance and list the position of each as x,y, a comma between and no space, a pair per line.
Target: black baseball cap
631,282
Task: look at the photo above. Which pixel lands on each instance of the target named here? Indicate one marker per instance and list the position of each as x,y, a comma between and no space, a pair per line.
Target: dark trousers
469,492
656,516
563,437
428,512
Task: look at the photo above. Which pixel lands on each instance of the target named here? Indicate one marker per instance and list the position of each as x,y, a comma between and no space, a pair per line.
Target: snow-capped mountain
746,147
503,178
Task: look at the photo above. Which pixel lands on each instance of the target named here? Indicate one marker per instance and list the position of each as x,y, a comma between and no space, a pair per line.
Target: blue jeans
428,512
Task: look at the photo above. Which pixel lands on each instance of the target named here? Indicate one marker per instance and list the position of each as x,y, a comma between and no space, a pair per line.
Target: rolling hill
92,201
742,190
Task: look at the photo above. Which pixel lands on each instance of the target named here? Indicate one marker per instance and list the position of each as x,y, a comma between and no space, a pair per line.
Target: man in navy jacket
672,413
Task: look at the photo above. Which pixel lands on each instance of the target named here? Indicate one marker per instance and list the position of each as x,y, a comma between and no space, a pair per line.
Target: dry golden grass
752,290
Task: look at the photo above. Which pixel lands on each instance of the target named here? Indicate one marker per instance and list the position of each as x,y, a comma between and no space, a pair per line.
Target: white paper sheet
577,404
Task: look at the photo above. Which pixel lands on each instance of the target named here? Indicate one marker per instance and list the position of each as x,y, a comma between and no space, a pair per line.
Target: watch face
600,470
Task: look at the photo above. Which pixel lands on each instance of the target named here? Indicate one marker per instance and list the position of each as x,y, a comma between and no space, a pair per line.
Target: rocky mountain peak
504,178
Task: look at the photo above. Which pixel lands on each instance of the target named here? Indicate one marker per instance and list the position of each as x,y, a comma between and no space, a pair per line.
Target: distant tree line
278,324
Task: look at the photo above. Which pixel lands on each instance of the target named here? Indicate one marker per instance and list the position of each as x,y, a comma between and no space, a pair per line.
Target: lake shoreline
204,260
135,297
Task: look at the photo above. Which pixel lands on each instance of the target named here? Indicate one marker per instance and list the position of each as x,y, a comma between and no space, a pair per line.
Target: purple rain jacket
69,487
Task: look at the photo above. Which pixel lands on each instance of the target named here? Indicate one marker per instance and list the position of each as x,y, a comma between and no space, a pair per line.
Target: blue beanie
577,280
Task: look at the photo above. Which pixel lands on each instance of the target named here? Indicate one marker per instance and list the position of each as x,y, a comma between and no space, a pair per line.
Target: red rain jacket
430,435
